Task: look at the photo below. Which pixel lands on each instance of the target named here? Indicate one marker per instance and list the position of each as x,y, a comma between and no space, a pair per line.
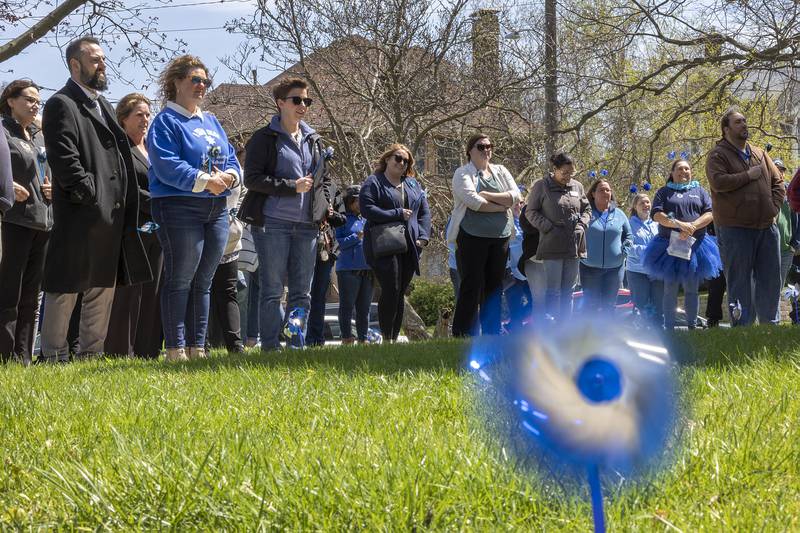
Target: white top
465,196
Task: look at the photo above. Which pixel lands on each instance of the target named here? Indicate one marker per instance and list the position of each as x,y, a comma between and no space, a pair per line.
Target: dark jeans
286,251
752,255
319,292
193,233
224,310
250,318
135,324
21,270
394,275
647,295
600,287
355,291
716,293
691,302
519,301
482,265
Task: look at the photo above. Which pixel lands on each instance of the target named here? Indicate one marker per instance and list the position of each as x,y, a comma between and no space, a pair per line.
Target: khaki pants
95,312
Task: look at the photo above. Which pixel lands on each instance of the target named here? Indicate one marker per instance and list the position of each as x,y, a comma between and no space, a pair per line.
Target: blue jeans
193,233
319,291
647,295
355,290
752,254
691,301
286,251
600,287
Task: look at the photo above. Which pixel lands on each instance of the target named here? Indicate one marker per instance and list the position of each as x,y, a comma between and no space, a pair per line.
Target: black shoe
712,324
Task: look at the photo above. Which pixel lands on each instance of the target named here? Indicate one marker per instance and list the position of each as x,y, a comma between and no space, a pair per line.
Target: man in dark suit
94,244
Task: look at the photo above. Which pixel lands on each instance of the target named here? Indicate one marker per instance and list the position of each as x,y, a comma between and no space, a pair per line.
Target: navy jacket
379,206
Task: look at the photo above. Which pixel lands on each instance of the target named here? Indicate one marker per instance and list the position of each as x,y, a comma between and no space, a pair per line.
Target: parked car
624,308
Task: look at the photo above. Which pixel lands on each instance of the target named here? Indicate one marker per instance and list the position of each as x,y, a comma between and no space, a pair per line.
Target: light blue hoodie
608,239
643,233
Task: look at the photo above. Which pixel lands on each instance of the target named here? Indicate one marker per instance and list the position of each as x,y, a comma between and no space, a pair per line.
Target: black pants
135,324
21,271
225,327
481,265
716,293
394,274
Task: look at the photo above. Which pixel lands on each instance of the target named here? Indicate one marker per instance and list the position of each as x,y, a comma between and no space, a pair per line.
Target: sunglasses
197,80
400,159
296,100
484,147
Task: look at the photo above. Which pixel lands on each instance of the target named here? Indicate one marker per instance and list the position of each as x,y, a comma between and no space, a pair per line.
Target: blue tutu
704,264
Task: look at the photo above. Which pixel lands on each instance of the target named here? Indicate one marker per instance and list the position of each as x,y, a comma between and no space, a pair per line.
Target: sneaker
175,355
197,352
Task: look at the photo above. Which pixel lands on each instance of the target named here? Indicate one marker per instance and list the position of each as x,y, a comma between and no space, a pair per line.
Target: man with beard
746,195
94,244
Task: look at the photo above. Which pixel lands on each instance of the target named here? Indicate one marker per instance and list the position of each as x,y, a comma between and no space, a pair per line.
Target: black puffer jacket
28,166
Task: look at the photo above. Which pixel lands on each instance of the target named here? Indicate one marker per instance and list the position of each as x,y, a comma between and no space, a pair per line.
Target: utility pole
550,77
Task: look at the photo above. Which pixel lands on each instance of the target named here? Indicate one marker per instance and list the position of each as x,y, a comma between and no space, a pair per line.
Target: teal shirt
491,225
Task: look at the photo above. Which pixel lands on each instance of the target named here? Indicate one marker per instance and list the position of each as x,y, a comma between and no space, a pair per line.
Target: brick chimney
486,43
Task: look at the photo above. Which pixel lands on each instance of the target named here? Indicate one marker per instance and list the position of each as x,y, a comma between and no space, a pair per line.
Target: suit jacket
379,206
94,241
141,166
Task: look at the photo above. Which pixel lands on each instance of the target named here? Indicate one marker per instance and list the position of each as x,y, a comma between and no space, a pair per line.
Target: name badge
573,193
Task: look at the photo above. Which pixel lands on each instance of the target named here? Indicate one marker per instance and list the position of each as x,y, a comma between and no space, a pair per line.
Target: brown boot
197,352
176,355
349,340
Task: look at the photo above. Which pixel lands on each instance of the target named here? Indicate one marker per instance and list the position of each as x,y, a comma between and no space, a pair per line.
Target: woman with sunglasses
193,166
392,197
480,226
289,193
26,226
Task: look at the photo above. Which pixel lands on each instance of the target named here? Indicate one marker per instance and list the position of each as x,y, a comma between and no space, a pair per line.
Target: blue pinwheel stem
596,493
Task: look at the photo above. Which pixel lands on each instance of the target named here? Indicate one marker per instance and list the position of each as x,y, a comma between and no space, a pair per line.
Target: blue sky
44,63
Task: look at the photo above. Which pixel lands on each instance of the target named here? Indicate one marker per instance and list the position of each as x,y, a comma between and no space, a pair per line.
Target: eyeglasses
31,100
297,100
197,80
484,147
400,159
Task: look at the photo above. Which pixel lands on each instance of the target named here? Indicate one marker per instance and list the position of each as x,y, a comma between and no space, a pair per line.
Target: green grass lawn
373,438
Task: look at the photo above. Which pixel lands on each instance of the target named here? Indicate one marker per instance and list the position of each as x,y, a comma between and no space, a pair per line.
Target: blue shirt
608,239
294,161
351,247
180,146
686,206
643,232
515,251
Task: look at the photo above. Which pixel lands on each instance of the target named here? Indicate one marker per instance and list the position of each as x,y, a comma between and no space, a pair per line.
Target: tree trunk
413,325
38,30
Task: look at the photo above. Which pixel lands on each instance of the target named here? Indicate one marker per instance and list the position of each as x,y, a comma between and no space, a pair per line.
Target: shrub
429,298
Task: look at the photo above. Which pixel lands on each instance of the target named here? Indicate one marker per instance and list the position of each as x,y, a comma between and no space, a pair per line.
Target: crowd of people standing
122,231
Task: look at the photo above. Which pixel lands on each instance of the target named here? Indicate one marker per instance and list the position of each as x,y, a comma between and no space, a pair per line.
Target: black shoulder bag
390,238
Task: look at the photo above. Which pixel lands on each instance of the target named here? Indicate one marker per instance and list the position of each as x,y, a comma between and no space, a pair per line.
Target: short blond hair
127,103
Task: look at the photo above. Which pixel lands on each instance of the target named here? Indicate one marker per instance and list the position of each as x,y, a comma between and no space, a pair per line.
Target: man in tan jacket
746,193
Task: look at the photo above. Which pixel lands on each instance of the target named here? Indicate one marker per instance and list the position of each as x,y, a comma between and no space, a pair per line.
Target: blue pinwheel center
599,380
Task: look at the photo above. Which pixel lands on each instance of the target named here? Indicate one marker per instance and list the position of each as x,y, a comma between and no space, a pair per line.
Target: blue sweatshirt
643,233
179,146
608,239
294,161
6,179
351,248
